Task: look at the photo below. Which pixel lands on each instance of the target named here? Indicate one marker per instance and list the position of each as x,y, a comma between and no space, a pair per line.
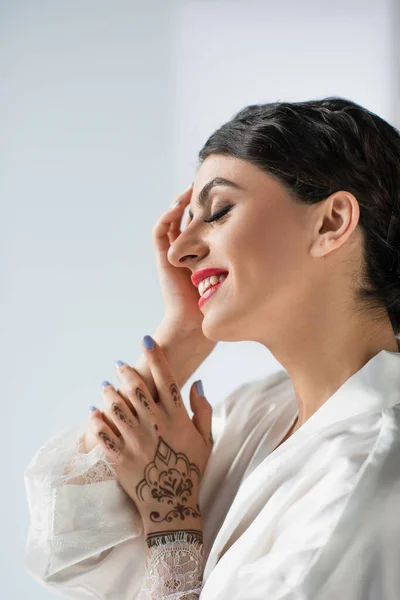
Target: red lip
200,275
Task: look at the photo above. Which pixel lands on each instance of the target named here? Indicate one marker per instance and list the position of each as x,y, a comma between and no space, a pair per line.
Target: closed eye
218,215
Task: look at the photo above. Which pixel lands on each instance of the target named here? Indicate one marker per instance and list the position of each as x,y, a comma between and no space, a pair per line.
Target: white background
103,109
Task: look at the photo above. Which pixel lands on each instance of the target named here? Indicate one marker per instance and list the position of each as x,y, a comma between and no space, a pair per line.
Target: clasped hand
159,454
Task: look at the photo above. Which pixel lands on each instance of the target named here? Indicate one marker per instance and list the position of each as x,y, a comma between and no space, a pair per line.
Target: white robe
316,519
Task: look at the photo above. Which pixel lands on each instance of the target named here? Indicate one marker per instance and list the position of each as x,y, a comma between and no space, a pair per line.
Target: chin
219,332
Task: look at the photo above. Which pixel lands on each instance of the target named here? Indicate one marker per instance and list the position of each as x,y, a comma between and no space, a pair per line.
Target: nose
188,249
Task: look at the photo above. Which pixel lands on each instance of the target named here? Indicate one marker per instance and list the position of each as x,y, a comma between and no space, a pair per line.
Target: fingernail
105,384
148,342
176,203
118,364
199,386
92,409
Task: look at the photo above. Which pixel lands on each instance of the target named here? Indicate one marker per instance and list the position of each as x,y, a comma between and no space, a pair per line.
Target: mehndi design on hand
140,395
176,395
169,479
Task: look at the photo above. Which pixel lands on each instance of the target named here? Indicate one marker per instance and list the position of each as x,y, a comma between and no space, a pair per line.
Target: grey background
103,108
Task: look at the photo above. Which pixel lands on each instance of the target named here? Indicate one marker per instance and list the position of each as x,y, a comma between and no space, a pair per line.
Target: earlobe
319,249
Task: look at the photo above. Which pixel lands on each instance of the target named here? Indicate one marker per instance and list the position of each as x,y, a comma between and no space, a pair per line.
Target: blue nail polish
199,386
118,364
92,409
148,342
105,384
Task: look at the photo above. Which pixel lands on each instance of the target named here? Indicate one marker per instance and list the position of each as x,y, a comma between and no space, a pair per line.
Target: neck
327,355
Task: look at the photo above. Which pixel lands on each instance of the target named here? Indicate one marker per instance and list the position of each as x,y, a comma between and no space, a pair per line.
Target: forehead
242,172
228,167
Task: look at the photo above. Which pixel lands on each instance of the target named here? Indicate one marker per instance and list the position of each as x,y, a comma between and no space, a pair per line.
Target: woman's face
263,243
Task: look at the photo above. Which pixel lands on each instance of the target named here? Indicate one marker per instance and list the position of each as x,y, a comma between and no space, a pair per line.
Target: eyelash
218,215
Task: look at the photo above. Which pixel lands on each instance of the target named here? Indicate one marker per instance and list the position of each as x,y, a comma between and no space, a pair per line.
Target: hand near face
161,453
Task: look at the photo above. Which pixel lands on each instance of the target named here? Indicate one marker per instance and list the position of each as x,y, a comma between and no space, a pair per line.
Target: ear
336,218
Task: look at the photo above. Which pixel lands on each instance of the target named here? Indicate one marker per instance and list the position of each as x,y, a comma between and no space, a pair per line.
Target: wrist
185,350
170,332
176,526
189,536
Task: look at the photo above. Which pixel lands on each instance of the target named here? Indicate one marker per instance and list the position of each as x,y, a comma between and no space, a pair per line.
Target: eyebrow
205,192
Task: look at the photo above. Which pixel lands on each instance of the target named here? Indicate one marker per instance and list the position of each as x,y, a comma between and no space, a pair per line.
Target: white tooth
209,281
203,284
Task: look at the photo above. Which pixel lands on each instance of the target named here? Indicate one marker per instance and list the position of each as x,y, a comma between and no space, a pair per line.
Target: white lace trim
174,569
63,462
73,517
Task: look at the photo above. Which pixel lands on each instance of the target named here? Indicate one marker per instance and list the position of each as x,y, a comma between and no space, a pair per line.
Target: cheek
261,250
271,254
285,248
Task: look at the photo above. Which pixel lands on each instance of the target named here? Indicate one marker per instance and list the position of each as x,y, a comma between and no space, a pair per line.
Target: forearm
184,351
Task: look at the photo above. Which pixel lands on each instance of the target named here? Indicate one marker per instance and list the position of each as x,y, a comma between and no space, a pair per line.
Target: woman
297,207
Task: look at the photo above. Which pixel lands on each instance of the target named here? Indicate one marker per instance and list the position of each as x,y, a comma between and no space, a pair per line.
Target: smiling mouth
210,291
213,280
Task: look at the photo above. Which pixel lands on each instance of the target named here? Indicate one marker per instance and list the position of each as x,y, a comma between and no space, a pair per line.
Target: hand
180,331
180,296
161,454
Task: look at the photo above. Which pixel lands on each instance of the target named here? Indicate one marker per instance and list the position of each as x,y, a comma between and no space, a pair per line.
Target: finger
175,227
116,409
186,223
172,216
128,403
109,423
136,391
109,442
175,231
123,392
164,379
202,412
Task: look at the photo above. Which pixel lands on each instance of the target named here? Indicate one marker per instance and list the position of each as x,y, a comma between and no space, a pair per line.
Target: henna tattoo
180,511
211,439
162,537
176,395
156,427
141,396
168,479
118,412
109,443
